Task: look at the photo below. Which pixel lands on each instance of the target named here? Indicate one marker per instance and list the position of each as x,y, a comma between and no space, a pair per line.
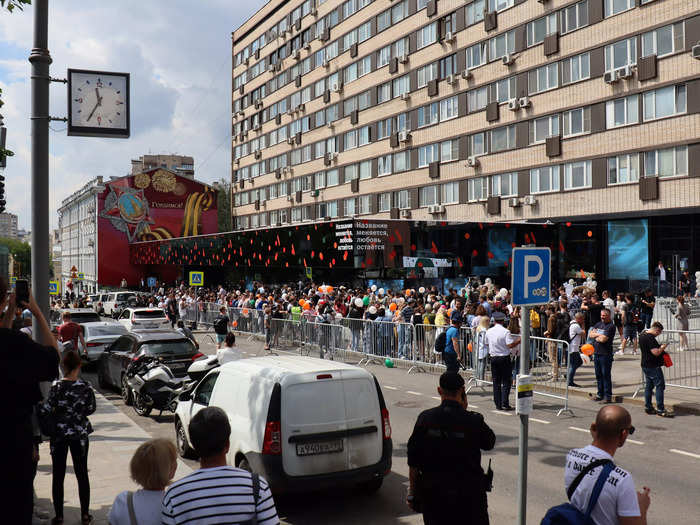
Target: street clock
98,104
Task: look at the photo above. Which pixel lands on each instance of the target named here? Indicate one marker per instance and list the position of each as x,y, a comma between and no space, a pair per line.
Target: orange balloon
408,292
302,302
392,307
245,311
449,312
469,347
307,306
329,289
235,324
587,349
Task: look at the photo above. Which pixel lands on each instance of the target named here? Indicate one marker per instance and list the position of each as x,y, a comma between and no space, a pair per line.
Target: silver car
99,335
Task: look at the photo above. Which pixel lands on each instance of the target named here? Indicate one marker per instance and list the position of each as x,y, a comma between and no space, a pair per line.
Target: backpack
566,513
440,342
563,324
220,325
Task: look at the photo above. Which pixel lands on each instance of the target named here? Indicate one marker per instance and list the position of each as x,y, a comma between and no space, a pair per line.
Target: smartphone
22,291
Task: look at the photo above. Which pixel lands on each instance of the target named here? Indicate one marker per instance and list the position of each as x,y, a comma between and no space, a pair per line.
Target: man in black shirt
23,364
648,303
603,334
444,457
652,361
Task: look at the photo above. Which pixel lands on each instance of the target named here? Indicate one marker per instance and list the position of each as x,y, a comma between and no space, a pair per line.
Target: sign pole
524,417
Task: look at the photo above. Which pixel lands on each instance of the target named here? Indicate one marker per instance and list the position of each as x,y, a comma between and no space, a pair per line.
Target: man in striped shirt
217,492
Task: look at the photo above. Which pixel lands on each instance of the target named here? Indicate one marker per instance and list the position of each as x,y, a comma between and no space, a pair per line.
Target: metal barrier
549,360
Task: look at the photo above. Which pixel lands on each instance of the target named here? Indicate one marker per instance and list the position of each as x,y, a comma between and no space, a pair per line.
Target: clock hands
98,104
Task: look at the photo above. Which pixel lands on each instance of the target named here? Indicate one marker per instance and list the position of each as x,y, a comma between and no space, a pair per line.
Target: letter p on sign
531,277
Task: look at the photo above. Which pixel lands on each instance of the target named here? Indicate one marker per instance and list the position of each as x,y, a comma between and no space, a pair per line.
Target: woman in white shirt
228,352
152,466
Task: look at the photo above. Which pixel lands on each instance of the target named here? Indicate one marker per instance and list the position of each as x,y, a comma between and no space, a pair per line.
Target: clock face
98,103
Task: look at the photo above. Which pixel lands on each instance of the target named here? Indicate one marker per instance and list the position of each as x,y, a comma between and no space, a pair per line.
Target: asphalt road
664,455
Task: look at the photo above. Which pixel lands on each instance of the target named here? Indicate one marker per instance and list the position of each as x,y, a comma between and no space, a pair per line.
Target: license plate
319,447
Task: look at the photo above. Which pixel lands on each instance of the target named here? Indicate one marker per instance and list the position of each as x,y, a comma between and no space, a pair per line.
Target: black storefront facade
619,252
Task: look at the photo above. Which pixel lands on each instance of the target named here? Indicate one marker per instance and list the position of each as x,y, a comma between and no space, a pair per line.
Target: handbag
47,421
668,362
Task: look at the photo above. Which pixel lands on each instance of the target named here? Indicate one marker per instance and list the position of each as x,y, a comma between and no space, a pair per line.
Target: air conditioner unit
296,55
301,107
271,68
530,200
451,79
449,37
326,63
513,104
314,12
625,72
330,125
696,51
336,87
610,77
405,214
285,170
332,155
466,74
524,102
290,112
404,136
237,162
508,59
307,46
257,153
290,141
472,161
436,208
405,97
403,58
514,202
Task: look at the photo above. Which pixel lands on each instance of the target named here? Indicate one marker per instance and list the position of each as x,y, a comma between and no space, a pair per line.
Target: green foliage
223,205
10,5
22,253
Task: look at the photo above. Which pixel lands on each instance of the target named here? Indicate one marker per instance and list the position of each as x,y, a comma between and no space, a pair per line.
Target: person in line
230,351
453,354
603,334
652,363
221,326
648,302
70,333
513,342
71,400
152,467
682,314
618,502
444,458
217,492
482,351
629,325
499,351
551,333
576,335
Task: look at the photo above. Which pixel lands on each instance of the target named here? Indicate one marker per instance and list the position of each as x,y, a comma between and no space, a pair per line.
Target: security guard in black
447,483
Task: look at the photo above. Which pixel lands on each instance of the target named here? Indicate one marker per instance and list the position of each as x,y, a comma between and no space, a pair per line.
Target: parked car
302,423
177,352
77,315
144,319
98,335
96,301
116,301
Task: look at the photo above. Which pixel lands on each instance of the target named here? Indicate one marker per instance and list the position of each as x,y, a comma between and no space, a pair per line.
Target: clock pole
40,59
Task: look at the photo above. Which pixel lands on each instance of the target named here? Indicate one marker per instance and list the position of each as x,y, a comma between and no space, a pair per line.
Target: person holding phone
24,363
652,363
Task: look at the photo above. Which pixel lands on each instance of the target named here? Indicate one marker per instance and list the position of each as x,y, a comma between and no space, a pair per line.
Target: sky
179,56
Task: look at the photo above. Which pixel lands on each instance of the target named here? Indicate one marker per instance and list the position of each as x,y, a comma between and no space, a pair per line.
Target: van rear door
331,422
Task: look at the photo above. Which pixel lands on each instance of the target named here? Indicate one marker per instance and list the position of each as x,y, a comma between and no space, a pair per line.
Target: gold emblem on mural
164,181
179,189
142,180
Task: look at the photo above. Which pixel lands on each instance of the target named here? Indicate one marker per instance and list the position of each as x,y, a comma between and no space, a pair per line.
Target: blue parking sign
151,282
531,276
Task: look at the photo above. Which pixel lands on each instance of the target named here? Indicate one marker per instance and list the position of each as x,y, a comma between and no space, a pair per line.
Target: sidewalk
112,444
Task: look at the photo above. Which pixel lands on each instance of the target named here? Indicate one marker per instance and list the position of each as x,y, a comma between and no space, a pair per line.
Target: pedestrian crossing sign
81,276
54,288
309,272
196,278
13,280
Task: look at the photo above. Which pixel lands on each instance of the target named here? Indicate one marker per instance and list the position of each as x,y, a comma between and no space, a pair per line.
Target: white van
302,423
116,301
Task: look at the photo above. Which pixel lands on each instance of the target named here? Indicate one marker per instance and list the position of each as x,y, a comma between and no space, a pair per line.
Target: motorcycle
155,386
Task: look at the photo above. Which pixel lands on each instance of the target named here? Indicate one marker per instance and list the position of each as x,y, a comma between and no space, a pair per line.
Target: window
383,129
403,199
401,162
364,204
350,173
577,121
365,169
544,127
543,78
364,67
477,144
500,5
663,41
664,102
501,45
332,209
449,150
428,115
477,189
383,20
331,178
622,111
503,90
350,207
450,193
426,74
383,56
402,85
350,73
574,17
575,68
475,12
477,99
428,196
350,140
577,175
384,92
476,55
399,12
449,108
384,165
384,202
296,214
540,28
421,4
427,154
504,185
448,66
426,35
401,47
545,179
613,7
669,162
623,169
502,138
363,136
621,54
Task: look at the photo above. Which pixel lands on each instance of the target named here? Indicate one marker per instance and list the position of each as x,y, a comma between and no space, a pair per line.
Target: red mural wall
153,205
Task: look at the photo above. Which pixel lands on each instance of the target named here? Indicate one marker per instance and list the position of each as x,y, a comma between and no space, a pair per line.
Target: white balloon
373,310
421,289
358,302
380,291
374,288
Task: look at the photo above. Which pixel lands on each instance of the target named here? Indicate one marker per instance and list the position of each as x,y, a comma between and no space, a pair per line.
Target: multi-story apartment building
179,164
8,225
579,114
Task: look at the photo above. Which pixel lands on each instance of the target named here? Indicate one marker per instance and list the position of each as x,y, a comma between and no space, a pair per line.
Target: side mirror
185,396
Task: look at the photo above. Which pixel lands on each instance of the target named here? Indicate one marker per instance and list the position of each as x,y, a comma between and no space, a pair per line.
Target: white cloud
179,56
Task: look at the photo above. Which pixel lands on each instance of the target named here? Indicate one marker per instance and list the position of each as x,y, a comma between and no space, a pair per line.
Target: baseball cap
451,381
498,317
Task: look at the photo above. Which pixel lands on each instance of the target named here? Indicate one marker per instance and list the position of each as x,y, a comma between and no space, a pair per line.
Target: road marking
635,441
390,387
501,413
580,429
540,421
414,393
684,453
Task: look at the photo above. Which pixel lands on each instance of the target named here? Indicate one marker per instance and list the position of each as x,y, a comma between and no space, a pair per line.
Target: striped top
217,495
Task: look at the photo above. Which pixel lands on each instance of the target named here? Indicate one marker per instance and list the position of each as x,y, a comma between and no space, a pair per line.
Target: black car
177,352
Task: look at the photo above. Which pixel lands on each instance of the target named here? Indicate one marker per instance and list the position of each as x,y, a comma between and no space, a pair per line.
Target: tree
22,254
11,4
223,205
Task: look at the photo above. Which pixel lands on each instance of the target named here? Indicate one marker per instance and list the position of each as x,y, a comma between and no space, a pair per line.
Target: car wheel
244,465
127,394
140,407
183,447
371,486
